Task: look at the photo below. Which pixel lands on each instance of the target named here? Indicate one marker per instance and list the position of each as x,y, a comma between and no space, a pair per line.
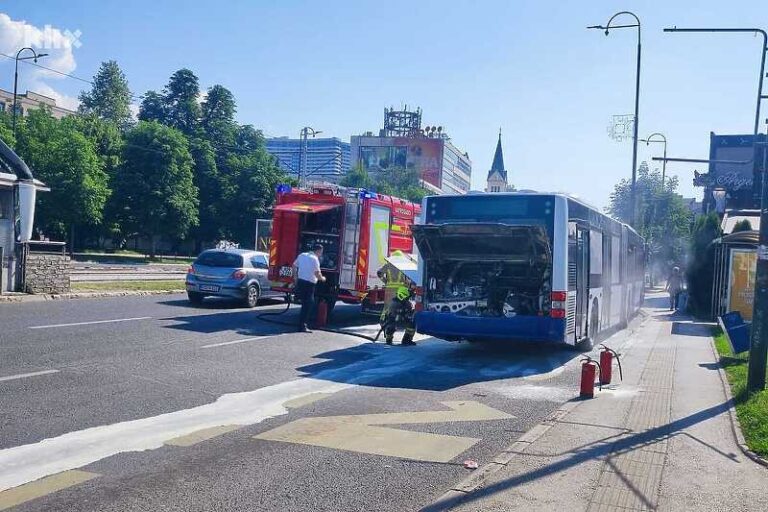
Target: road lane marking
366,433
235,342
26,463
201,435
25,375
39,488
92,322
305,400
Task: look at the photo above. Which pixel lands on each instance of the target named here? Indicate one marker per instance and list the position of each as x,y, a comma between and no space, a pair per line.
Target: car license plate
209,288
286,271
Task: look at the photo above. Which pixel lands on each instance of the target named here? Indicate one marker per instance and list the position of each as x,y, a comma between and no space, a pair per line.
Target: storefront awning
306,207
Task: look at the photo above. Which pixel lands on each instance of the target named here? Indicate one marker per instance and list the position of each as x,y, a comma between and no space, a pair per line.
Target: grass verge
751,410
128,286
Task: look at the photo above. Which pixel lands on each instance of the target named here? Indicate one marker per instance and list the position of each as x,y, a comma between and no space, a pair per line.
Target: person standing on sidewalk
306,268
674,287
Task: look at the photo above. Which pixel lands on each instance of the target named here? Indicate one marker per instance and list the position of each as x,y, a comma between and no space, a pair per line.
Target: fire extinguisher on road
606,364
589,369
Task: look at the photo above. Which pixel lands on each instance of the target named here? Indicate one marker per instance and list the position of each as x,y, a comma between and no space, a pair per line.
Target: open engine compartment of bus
507,273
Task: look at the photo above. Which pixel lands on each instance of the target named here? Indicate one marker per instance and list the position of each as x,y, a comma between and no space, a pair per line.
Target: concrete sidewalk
660,440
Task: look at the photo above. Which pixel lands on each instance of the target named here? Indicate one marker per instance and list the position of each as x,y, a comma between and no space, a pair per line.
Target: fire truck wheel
252,299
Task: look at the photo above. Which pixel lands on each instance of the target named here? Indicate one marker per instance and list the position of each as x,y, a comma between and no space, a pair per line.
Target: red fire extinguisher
606,364
588,372
322,313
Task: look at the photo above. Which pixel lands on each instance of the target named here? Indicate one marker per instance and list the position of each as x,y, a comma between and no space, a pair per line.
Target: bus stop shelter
734,277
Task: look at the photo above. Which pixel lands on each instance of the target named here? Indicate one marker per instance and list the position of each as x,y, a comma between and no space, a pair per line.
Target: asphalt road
147,403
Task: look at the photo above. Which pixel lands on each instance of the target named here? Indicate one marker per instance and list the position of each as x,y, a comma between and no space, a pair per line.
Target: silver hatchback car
235,273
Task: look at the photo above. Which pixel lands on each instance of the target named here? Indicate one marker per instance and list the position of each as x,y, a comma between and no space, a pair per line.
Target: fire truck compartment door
378,243
306,207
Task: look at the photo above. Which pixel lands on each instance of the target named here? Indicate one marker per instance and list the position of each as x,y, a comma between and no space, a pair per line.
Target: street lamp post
758,348
34,56
648,141
607,27
303,155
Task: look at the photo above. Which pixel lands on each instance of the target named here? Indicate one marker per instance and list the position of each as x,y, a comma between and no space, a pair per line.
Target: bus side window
595,259
616,258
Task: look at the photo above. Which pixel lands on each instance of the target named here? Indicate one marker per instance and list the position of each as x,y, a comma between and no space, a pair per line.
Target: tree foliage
109,98
742,225
186,170
394,181
701,269
68,162
662,217
155,185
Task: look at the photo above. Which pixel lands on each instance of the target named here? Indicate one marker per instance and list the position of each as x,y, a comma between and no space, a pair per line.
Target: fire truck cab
358,229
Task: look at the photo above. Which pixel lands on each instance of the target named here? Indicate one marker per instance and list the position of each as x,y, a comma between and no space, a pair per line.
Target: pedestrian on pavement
674,287
306,268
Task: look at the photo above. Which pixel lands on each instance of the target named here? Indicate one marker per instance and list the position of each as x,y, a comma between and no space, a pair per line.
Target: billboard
423,154
741,281
736,148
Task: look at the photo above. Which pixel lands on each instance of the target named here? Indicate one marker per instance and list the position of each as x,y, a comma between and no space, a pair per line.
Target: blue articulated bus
525,267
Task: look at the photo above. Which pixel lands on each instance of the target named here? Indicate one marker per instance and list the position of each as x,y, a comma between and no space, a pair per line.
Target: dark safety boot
407,340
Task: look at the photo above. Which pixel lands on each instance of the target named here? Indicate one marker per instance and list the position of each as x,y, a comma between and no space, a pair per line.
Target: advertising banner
741,282
732,148
425,155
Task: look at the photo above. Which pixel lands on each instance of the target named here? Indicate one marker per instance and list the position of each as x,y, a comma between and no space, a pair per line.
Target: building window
2,106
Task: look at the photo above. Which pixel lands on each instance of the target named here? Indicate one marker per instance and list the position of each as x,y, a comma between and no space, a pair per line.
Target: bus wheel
585,345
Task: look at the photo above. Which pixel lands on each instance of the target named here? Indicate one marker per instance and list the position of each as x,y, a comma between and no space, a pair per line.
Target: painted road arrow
366,433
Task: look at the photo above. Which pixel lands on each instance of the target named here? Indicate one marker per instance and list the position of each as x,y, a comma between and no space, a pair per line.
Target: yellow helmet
403,293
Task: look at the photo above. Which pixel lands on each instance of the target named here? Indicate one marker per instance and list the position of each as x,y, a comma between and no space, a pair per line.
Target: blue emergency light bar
367,194
283,188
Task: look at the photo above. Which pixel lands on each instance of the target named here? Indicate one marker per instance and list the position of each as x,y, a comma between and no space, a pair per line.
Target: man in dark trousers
306,270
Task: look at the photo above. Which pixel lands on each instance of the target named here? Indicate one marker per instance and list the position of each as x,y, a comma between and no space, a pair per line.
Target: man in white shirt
306,268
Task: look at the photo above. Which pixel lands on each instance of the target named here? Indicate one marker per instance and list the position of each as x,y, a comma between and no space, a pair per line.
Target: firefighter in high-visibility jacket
399,311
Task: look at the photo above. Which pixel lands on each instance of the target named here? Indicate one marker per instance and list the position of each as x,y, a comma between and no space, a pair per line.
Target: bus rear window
489,208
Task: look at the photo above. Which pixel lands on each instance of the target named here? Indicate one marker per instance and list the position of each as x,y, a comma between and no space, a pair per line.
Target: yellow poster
741,285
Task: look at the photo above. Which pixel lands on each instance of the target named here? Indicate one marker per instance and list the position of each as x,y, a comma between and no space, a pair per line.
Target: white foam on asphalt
27,375
93,322
26,463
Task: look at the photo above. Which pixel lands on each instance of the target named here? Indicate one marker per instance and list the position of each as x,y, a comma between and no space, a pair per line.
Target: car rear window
220,259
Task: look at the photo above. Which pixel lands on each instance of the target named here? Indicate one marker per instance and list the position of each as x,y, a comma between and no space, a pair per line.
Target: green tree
394,181
67,161
218,116
153,108
155,187
701,269
662,217
742,225
109,97
357,177
181,101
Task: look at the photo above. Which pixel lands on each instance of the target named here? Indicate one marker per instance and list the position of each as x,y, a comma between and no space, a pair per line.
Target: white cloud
57,43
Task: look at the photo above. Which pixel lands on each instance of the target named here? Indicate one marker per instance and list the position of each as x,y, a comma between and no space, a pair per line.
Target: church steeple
498,160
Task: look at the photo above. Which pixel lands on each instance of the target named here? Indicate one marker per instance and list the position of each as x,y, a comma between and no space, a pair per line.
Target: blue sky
529,67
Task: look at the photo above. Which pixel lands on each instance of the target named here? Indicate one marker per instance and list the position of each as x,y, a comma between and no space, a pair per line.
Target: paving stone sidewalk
660,440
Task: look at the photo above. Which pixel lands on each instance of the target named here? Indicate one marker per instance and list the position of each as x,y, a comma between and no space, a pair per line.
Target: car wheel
195,298
252,299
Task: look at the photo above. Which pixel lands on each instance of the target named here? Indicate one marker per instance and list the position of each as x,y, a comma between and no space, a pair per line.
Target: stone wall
47,273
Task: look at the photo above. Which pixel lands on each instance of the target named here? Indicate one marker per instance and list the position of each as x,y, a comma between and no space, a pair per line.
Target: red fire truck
358,230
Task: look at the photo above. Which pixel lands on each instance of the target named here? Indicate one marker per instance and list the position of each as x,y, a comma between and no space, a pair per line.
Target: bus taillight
419,298
558,304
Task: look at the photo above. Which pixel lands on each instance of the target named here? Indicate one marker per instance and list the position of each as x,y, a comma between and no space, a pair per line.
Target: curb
456,494
83,295
735,424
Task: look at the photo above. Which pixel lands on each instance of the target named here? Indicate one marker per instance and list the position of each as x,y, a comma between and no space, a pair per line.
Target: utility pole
303,153
758,349
607,27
